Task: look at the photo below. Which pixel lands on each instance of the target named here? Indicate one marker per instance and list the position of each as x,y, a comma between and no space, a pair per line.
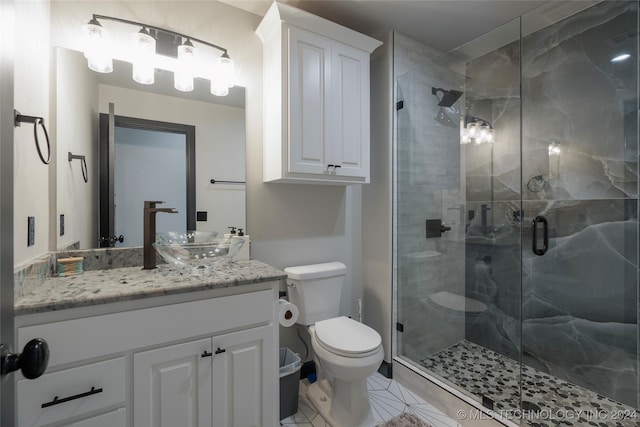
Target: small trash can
289,382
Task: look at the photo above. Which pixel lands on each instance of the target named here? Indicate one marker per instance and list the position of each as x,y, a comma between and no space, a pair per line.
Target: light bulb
144,49
97,47
183,76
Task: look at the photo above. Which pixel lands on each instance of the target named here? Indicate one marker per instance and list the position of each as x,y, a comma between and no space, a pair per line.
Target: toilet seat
346,337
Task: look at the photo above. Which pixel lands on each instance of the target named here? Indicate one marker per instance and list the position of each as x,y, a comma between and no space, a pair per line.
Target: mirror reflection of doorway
149,165
144,160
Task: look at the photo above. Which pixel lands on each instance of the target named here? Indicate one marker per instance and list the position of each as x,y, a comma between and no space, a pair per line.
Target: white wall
289,224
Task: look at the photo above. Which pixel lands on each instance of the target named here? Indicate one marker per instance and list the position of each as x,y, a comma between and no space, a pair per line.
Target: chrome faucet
150,211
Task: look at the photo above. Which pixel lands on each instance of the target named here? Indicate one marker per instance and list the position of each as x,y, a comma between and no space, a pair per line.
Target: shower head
448,96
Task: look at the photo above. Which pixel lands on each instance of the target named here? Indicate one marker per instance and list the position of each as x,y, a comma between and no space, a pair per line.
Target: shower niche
530,301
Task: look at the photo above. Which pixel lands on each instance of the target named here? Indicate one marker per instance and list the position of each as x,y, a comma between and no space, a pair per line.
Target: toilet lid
346,336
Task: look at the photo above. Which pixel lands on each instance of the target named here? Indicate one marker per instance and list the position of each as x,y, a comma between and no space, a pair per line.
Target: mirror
81,95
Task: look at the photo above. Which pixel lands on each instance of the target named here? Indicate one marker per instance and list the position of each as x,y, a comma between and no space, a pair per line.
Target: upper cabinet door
316,99
309,99
350,74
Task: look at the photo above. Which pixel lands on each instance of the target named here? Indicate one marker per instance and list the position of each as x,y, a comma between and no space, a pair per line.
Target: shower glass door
580,210
457,217
517,255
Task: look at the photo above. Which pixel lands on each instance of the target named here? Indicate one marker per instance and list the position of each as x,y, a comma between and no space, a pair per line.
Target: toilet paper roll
288,314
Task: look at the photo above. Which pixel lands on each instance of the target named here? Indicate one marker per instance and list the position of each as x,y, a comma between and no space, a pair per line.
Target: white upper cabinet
316,99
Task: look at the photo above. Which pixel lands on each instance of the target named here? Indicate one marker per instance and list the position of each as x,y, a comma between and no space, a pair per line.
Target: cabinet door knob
220,350
206,354
32,361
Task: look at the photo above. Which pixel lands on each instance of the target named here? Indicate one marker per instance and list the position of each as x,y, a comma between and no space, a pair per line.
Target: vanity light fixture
154,47
474,130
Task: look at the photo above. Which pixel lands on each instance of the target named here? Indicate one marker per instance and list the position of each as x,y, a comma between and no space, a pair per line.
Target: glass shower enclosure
516,214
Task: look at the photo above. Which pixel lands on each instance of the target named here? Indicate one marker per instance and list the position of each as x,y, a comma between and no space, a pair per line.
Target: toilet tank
316,290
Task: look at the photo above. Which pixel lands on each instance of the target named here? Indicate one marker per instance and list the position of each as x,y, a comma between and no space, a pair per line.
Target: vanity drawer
71,392
72,341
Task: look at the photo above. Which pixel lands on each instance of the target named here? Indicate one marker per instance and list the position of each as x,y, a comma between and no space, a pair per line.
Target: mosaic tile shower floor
549,401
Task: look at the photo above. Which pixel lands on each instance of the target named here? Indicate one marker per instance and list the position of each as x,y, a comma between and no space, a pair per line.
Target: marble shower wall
579,300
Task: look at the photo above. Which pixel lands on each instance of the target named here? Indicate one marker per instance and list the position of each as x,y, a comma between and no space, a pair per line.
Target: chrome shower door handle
545,235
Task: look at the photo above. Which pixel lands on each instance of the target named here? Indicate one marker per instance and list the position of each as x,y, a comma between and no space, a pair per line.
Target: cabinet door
350,77
244,375
172,386
309,96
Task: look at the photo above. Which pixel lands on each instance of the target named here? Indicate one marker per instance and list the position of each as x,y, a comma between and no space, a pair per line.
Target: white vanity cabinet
316,99
206,361
176,385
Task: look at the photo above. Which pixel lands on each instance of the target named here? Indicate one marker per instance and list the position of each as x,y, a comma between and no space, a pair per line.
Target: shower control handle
435,228
545,235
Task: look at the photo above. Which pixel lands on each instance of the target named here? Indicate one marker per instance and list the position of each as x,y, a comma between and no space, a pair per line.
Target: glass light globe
96,48
219,88
144,49
183,76
225,71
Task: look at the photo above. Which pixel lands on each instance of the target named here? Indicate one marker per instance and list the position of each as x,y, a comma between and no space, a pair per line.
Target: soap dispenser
230,234
244,252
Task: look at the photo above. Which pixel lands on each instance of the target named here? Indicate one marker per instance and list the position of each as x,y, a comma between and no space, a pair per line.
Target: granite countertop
122,284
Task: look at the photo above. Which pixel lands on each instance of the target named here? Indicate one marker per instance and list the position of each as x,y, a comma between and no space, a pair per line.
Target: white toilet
345,351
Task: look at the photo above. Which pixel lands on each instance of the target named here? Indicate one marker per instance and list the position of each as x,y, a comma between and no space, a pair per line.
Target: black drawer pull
57,401
220,350
206,354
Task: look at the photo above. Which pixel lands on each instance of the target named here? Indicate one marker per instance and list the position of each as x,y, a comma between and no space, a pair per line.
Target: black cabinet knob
32,361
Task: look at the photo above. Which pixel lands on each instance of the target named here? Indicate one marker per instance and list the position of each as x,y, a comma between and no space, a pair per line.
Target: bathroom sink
196,249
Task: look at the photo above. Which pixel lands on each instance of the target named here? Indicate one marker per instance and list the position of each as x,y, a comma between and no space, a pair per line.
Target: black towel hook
19,118
83,165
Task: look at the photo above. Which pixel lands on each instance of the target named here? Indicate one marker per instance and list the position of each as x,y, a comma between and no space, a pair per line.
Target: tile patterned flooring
388,399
